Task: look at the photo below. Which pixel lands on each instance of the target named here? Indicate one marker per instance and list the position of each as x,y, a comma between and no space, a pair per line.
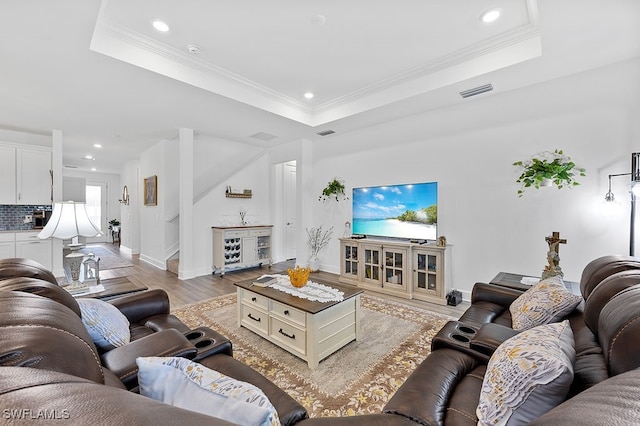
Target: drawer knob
253,299
286,312
290,336
254,318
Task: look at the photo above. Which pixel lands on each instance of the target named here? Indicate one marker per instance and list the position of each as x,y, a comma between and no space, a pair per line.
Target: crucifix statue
553,258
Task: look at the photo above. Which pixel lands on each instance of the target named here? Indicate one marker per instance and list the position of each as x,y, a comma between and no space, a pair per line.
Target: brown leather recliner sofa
41,329
606,329
50,364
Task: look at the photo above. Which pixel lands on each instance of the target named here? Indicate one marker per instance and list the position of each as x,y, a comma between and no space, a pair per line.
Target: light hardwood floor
184,292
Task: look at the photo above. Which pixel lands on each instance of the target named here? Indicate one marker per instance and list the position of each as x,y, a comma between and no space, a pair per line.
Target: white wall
469,150
215,209
114,191
489,227
152,218
130,214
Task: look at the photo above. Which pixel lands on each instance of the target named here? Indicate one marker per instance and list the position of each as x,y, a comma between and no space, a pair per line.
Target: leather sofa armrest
122,360
493,293
489,337
138,306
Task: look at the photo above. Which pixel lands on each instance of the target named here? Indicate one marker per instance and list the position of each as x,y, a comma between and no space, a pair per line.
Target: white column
56,166
185,164
306,199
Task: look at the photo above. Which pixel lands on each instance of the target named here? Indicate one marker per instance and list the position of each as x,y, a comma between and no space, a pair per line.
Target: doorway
290,204
96,202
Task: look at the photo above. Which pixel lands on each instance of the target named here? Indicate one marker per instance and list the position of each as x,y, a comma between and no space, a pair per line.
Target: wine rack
241,246
232,250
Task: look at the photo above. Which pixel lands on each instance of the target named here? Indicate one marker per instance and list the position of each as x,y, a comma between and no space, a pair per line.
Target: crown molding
506,49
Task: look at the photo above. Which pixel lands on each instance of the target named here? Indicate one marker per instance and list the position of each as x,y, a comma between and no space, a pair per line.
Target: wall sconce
610,206
125,196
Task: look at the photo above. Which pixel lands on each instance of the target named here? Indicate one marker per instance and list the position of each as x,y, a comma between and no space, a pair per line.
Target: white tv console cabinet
241,246
403,269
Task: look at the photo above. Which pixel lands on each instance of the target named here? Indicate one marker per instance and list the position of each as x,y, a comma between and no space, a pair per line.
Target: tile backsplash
12,216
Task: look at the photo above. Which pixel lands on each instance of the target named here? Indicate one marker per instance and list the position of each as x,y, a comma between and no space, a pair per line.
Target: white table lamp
68,220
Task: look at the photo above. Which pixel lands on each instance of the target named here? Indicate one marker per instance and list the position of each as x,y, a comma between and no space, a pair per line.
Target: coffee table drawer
254,319
287,312
289,335
252,298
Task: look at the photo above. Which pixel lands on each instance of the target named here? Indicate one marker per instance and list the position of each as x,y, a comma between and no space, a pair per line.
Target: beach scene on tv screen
399,211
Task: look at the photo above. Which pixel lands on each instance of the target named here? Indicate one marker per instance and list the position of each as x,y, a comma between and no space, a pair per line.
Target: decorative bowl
298,276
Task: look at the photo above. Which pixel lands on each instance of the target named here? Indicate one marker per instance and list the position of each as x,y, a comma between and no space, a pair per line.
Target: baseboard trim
153,262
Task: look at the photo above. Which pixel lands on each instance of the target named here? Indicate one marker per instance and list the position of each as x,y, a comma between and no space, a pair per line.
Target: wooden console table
309,330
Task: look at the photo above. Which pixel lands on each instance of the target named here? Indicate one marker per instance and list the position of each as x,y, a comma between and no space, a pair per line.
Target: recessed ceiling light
491,15
93,169
319,20
88,157
97,145
309,95
160,25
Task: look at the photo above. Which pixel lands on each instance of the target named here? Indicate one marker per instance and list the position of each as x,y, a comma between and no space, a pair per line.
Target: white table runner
313,291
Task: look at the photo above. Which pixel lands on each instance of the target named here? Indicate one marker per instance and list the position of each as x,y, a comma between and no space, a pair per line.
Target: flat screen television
408,211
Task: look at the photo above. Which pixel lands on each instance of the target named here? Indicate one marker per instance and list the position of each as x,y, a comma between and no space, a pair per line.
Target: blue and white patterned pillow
189,385
545,302
528,375
107,326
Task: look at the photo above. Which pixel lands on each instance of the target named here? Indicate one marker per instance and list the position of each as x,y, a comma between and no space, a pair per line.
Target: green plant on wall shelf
548,168
334,189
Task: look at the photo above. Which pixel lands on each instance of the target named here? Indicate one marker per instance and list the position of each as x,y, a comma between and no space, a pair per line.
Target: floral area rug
357,379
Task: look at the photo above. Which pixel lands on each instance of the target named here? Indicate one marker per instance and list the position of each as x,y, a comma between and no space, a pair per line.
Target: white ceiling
100,73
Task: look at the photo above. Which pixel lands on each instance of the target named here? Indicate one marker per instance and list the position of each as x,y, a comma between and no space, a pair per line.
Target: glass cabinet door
350,258
372,264
393,267
426,271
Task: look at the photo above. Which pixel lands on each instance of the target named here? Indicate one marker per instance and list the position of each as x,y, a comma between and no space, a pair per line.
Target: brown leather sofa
607,342
490,303
49,366
41,328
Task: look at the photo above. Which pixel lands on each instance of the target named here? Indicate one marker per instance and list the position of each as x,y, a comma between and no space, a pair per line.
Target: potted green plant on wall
548,168
334,190
317,239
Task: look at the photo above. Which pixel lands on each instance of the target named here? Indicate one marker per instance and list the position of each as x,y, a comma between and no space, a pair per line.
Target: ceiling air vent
477,90
70,166
325,133
263,136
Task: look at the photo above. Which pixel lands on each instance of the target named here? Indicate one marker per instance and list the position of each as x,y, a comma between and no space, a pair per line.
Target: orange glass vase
299,276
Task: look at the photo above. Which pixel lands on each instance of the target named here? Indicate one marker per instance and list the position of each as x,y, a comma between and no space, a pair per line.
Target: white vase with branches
317,239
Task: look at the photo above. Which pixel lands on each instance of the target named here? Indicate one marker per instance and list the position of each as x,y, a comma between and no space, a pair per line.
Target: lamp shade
69,220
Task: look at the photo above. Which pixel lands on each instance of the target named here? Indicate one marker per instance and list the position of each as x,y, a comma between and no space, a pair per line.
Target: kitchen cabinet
34,180
25,175
7,245
29,246
7,175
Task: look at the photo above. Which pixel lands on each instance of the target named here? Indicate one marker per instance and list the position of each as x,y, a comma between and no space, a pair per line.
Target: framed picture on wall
151,191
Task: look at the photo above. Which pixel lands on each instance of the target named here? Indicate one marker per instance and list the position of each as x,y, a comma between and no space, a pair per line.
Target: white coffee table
309,330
